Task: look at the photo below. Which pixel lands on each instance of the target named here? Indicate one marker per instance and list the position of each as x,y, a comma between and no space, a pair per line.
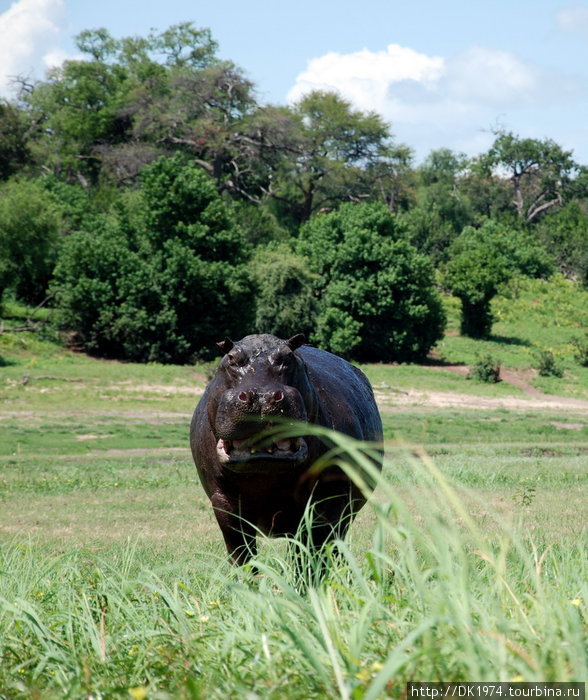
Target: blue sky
444,73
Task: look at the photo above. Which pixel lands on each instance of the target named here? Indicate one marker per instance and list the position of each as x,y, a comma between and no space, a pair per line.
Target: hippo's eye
282,360
235,359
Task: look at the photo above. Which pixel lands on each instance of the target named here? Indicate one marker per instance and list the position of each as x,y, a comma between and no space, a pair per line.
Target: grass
531,315
428,594
469,562
433,427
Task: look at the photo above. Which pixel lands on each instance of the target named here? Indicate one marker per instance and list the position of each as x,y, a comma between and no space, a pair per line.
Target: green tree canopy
101,119
481,261
377,300
564,233
540,172
161,279
321,152
14,149
30,224
441,208
132,99
285,301
332,149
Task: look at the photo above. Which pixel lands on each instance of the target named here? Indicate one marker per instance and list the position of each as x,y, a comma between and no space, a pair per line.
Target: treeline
161,206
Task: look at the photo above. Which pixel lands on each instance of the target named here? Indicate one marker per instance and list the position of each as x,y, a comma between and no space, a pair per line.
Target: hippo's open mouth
245,455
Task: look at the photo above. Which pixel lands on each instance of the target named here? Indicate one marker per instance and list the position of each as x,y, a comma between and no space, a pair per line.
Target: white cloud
375,80
53,59
434,101
485,76
574,19
364,77
30,33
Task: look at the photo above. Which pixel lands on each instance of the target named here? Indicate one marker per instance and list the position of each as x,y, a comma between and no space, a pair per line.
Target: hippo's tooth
270,449
223,447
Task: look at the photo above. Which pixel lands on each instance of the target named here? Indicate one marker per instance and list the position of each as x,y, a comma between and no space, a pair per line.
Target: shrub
482,261
285,304
377,299
30,224
162,284
581,350
564,233
486,369
547,365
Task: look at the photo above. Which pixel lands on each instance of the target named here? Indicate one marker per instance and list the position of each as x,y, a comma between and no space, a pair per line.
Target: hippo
257,485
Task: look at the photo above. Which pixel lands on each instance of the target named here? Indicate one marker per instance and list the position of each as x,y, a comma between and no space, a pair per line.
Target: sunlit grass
531,315
468,563
430,592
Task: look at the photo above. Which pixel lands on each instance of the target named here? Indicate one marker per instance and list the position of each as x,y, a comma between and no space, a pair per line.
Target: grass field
468,564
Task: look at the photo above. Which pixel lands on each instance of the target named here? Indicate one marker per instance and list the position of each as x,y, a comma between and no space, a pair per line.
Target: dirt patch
462,370
519,378
568,426
141,451
165,389
439,399
540,452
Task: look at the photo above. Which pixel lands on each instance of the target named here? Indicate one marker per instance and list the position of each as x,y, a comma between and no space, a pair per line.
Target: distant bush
161,281
547,365
581,350
30,224
481,261
564,233
376,293
285,303
486,369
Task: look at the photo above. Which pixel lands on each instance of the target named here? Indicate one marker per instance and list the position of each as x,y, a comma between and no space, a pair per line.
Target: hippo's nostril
278,396
244,397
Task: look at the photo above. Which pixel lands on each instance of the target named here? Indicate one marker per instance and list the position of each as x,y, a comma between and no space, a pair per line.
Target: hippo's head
261,381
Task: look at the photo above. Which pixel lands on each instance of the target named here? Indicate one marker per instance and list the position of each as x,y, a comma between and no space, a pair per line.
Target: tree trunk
476,318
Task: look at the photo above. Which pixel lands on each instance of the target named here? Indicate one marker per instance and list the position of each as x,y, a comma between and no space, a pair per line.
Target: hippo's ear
225,345
296,341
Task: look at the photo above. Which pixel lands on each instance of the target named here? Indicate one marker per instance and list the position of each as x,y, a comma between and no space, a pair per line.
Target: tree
564,233
158,280
122,106
443,166
131,100
321,152
14,151
76,110
377,300
392,177
203,112
285,303
540,172
428,230
481,261
443,204
30,225
337,145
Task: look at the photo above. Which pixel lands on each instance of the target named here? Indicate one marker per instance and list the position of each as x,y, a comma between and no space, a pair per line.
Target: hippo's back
345,395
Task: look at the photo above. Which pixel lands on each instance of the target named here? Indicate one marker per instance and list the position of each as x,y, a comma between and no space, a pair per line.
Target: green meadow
467,564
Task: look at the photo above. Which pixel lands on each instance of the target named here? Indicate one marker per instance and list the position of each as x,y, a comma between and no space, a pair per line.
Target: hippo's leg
238,533
333,506
335,502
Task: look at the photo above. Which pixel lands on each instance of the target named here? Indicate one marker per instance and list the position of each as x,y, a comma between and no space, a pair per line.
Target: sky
443,73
